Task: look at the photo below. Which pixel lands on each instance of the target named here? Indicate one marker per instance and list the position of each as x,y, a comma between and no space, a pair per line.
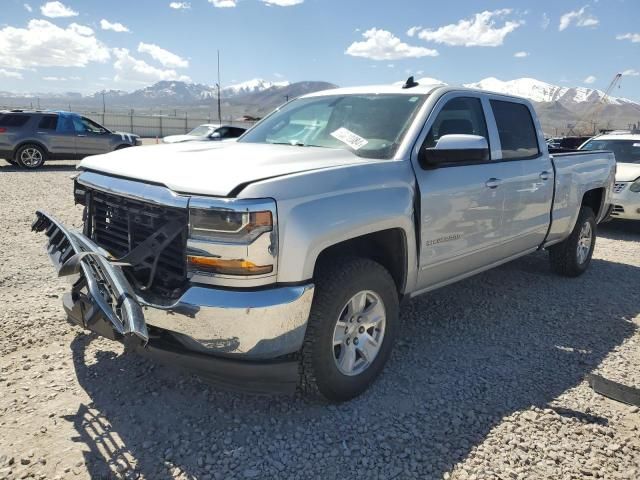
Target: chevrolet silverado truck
280,261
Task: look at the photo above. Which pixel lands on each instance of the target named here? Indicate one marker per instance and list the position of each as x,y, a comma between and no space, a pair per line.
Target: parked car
30,138
207,132
626,191
566,144
282,259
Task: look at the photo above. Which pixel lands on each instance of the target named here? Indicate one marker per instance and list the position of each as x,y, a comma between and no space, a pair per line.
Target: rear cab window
12,120
517,132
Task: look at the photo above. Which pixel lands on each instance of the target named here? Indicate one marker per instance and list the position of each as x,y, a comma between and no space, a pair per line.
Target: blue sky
90,45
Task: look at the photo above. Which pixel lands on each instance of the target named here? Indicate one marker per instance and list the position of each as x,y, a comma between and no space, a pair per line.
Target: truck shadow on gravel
468,355
620,230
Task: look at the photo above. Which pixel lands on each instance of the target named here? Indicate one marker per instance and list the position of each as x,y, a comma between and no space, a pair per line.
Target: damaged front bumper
241,339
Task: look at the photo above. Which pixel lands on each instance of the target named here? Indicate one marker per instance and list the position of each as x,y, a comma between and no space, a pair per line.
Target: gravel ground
487,380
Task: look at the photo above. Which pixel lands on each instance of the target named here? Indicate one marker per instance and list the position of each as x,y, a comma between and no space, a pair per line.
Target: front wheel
572,257
30,156
351,330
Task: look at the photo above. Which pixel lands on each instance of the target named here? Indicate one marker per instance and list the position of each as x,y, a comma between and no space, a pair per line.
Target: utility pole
219,92
104,103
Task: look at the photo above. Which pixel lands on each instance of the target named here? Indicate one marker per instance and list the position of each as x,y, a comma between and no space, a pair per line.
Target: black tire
36,153
120,147
334,287
564,257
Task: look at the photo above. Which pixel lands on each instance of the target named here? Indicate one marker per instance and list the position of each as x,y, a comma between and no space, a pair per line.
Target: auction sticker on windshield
348,137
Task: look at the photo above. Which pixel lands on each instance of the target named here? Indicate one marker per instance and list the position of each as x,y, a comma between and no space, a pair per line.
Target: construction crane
590,119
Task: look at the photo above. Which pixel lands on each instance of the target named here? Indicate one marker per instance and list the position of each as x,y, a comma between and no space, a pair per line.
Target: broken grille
120,224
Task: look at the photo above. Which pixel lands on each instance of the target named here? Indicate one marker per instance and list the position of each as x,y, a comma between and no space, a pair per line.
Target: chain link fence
156,125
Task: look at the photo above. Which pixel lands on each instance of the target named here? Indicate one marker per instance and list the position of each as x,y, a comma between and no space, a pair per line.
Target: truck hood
214,168
627,172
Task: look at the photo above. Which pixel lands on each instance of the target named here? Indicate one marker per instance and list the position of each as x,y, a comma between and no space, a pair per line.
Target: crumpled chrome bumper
101,292
253,325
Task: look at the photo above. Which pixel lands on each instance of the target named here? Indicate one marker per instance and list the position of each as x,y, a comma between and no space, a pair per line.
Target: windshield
200,131
626,151
372,126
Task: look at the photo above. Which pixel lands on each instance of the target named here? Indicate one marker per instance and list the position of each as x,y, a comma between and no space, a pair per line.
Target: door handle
493,183
545,175
81,135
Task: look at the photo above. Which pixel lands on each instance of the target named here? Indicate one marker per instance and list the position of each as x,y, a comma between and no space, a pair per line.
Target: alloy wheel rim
359,332
584,242
31,157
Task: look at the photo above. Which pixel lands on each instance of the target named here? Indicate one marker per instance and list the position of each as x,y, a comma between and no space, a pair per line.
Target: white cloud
283,3
479,31
180,5
383,45
9,74
130,69
223,3
521,54
116,26
165,57
579,18
633,37
590,79
631,73
43,44
413,30
28,8
60,79
545,22
57,10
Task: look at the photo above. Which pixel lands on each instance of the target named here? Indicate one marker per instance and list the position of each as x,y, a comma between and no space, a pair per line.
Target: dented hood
214,168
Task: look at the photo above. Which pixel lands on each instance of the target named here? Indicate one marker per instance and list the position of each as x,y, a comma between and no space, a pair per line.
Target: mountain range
560,108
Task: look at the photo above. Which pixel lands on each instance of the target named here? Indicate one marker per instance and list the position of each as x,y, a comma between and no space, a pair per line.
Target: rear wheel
572,257
351,330
30,156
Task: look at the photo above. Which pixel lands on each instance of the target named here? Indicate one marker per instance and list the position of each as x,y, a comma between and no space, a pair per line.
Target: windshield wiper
292,144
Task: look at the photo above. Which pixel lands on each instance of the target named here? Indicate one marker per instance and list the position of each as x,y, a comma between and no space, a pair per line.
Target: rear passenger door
60,140
528,179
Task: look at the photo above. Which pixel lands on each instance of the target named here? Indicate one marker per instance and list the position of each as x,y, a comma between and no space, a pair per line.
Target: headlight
231,238
228,225
635,186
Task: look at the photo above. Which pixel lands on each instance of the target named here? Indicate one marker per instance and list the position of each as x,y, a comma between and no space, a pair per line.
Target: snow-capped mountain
538,91
252,86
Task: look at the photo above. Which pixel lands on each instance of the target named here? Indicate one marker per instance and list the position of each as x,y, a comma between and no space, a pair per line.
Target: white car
207,132
626,192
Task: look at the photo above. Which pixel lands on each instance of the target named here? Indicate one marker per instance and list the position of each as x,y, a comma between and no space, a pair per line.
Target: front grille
119,225
617,209
618,187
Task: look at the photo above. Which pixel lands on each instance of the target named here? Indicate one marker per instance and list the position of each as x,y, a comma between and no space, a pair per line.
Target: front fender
322,208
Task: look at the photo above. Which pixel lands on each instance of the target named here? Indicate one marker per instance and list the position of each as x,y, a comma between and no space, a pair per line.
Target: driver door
461,203
91,138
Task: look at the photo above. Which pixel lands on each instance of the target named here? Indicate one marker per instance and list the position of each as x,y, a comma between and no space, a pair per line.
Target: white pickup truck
281,261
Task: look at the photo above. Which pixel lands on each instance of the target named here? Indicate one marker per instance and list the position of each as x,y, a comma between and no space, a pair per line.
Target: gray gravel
487,380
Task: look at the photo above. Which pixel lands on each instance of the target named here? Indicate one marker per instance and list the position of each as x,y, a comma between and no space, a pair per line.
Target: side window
12,120
236,132
461,115
516,130
78,125
224,132
48,122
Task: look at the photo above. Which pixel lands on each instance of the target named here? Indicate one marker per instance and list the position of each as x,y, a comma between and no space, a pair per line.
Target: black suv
29,138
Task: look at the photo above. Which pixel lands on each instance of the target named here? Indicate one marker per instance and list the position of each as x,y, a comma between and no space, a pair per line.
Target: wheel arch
594,199
24,143
387,247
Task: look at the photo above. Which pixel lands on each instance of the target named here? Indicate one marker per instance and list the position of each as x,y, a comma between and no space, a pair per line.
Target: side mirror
455,148
215,136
